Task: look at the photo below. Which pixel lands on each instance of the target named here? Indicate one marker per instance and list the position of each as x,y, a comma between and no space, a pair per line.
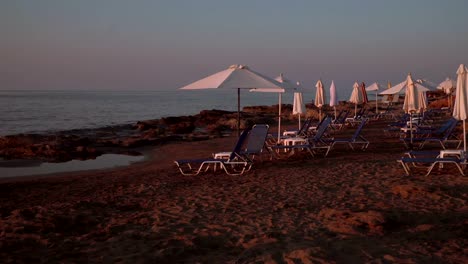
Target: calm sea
48,111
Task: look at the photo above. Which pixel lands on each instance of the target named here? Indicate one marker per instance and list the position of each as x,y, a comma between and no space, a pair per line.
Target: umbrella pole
279,118
411,131
464,136
320,114
376,103
355,111
334,108
238,112
299,115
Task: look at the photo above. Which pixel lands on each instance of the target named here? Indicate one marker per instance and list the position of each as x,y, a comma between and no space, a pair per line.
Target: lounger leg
407,170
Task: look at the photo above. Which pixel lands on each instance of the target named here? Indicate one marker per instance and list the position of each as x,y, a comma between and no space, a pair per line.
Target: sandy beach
350,207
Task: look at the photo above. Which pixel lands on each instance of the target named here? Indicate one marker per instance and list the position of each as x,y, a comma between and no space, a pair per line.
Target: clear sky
151,44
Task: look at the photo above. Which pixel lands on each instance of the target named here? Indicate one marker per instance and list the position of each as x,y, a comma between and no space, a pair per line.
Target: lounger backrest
342,119
305,125
256,138
358,130
449,131
445,126
339,115
321,130
240,142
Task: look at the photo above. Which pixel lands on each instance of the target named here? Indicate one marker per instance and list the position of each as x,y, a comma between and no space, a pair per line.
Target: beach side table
294,141
451,153
290,133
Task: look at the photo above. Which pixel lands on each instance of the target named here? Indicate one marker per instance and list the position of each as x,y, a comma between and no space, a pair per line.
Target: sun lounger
340,121
445,138
356,139
429,163
235,164
311,145
255,145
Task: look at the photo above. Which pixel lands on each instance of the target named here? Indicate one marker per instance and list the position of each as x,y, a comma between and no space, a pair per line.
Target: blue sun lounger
313,144
234,165
356,139
430,163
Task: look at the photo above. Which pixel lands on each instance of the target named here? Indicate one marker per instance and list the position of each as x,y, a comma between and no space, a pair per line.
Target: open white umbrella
333,97
460,110
355,99
319,97
400,88
235,77
288,86
375,87
448,86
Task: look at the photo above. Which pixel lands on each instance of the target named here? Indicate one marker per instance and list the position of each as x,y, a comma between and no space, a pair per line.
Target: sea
33,111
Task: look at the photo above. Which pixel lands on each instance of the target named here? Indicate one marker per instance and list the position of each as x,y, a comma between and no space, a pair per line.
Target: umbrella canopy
355,99
460,110
375,87
319,97
399,88
448,85
298,106
411,103
333,97
422,101
365,100
236,77
319,94
411,96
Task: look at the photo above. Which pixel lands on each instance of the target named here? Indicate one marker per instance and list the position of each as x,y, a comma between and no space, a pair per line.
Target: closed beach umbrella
319,97
411,103
460,109
422,101
355,99
236,77
333,97
298,106
365,100
375,87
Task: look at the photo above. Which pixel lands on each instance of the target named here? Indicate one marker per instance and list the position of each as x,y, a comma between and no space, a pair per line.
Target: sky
164,45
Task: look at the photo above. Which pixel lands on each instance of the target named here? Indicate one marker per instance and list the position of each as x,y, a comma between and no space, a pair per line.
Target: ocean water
47,111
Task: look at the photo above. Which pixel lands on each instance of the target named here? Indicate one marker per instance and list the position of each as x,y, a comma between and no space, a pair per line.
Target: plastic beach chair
254,146
443,136
428,160
356,139
235,164
313,144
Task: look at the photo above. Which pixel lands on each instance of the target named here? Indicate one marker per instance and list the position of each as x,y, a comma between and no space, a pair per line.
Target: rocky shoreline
85,144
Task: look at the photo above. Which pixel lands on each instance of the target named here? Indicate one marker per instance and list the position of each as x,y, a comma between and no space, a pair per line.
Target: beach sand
350,207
